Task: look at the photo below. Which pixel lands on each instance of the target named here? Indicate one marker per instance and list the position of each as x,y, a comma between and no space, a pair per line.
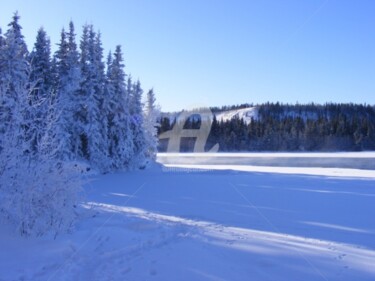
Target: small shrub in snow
39,196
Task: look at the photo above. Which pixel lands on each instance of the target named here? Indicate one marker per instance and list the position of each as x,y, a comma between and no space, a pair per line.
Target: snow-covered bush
38,195
150,124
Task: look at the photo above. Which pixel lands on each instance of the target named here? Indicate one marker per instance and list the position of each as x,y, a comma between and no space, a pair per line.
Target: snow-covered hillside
244,113
213,222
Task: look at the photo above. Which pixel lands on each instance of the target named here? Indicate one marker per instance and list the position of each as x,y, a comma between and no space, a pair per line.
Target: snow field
218,223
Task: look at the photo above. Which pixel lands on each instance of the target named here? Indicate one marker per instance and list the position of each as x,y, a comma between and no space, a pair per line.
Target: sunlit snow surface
214,221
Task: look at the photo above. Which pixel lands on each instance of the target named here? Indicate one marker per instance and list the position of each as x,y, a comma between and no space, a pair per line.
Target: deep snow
211,222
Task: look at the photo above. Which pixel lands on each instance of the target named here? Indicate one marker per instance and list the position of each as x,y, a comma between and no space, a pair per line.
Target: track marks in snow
172,229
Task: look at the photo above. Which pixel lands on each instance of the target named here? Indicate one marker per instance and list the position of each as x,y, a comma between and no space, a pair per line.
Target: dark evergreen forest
285,127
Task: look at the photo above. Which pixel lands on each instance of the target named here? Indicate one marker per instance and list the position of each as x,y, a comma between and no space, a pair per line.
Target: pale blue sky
222,52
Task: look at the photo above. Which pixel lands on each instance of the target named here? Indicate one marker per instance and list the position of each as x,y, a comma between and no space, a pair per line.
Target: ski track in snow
195,226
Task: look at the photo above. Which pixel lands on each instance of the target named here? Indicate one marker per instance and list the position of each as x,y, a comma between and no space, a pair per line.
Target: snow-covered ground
211,222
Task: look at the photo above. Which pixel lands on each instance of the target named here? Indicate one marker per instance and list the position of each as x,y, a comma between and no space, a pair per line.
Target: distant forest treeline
285,127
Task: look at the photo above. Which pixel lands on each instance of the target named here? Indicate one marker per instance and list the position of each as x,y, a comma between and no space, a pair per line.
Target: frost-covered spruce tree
102,146
14,73
86,91
136,125
101,76
108,109
42,82
150,124
66,112
107,103
40,62
13,65
91,93
120,138
14,70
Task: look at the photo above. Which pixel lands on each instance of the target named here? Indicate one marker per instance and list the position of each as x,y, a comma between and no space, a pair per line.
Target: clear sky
223,52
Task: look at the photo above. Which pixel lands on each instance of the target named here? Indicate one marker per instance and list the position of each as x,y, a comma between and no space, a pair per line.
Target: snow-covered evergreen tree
41,81
13,96
92,91
68,120
108,109
136,125
150,124
40,61
121,147
102,146
14,83
14,66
